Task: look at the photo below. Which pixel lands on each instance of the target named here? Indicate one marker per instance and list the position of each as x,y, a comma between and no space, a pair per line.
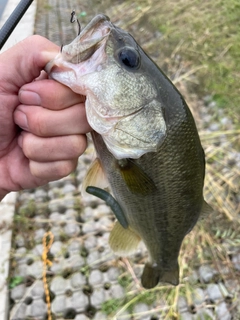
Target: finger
28,58
47,123
43,75
52,170
52,149
49,94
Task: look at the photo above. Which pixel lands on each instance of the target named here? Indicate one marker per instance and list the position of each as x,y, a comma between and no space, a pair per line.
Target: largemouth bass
146,141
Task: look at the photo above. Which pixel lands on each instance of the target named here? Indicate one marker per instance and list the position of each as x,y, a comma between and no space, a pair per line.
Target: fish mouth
90,41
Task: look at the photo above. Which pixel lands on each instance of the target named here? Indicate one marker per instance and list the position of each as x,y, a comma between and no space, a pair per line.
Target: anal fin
123,241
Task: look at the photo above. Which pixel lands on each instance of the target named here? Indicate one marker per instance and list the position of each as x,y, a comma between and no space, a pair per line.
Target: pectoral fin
123,241
137,181
95,177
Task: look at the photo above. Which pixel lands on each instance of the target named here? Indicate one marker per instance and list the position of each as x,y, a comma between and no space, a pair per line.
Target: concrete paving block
35,270
20,255
98,297
117,291
81,317
206,273
77,280
37,289
203,314
112,274
71,229
96,278
140,310
59,304
71,214
59,285
74,246
38,234
93,258
38,309
57,249
223,312
75,262
18,292
182,304
214,292
90,242
79,301
100,316
186,316
18,312
198,296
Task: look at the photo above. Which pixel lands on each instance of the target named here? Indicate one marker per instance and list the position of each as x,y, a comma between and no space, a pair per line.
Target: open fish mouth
90,42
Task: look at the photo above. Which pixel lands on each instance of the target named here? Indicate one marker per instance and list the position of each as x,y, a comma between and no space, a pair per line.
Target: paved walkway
85,278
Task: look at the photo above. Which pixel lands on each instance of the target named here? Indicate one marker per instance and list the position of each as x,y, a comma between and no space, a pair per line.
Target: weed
15,281
111,306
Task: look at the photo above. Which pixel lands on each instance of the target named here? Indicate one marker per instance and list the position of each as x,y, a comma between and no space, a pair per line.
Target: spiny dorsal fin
136,179
95,177
123,241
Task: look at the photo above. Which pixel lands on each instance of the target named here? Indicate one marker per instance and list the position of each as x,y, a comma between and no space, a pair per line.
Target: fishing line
13,20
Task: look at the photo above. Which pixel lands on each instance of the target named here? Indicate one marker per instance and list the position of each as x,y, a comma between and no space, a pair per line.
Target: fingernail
29,97
21,120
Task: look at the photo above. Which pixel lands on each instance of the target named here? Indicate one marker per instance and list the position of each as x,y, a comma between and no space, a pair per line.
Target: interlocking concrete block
96,278
59,304
38,309
117,291
71,229
141,311
223,312
206,273
37,289
77,280
59,285
98,297
35,270
18,292
214,292
79,301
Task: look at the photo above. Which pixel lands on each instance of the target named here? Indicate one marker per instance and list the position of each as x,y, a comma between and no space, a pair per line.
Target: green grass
199,38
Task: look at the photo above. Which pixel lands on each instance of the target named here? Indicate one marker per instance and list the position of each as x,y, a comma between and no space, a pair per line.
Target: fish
149,156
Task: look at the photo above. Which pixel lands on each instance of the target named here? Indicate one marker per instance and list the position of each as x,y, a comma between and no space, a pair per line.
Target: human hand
51,116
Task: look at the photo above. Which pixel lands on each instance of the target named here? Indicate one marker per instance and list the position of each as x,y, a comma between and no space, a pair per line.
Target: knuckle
78,146
64,168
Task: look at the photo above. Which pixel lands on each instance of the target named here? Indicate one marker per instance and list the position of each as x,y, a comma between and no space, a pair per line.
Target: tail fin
152,274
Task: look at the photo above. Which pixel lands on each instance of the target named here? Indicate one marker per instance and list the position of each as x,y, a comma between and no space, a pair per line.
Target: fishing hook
73,19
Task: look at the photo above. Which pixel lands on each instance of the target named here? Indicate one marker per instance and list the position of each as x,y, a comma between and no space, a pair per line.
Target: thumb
24,61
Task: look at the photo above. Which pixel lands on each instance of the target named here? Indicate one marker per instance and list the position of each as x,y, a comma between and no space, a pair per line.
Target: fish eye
129,58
